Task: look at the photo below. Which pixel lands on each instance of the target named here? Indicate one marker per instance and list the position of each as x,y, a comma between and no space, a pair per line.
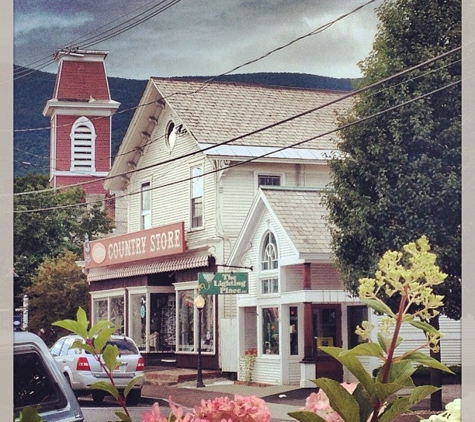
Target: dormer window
83,136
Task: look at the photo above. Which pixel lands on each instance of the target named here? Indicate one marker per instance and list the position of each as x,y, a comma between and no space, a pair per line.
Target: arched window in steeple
83,136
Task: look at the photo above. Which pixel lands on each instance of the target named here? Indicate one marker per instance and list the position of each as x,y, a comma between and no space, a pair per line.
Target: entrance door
327,332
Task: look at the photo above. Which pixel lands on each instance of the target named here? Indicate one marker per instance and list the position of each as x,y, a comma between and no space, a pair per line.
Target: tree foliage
58,288
399,176
50,233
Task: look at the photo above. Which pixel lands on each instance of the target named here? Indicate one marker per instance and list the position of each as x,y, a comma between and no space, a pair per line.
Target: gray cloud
202,37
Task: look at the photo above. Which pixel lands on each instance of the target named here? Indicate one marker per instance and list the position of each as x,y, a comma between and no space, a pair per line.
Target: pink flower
319,403
241,409
155,415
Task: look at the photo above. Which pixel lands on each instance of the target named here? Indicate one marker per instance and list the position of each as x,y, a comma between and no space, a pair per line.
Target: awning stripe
105,273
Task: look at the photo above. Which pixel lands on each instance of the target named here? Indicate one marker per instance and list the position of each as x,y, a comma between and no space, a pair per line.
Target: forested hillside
31,92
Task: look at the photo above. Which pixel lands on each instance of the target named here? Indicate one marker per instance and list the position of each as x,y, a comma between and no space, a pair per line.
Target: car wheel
98,397
133,398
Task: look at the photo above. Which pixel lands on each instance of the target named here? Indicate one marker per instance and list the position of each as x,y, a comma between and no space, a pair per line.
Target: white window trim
83,121
267,173
193,285
142,213
268,274
200,227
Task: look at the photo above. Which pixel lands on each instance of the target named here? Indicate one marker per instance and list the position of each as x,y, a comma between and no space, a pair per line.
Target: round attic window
171,135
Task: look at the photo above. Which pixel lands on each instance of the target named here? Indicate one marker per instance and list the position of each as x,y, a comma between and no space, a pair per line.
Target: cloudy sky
198,37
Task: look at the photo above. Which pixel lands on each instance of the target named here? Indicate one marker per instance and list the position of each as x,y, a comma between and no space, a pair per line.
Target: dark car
38,383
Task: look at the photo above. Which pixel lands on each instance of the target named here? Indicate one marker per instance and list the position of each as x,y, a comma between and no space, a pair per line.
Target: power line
361,120
262,129
88,41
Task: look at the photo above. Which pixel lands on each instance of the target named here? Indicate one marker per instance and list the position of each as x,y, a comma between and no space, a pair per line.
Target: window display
270,330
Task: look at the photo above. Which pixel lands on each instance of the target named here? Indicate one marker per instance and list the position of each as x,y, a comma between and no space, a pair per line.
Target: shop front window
294,330
117,312
186,307
100,310
188,323
111,309
138,320
270,330
162,336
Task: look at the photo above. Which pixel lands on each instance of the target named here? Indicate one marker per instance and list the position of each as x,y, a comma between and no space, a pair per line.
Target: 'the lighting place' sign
222,283
146,244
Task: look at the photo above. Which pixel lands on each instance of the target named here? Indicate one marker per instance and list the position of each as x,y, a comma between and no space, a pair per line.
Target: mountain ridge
35,88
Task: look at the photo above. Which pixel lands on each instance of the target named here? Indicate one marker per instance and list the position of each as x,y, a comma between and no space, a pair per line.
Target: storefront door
327,332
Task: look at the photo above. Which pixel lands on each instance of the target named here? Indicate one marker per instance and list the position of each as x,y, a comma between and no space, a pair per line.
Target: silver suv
82,370
38,383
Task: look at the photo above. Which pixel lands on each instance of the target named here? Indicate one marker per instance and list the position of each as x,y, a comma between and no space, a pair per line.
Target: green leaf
424,326
107,387
403,404
99,326
379,306
366,349
122,416
78,327
82,321
131,384
340,399
386,390
396,408
426,360
109,355
364,402
400,370
30,414
383,342
306,416
102,338
354,365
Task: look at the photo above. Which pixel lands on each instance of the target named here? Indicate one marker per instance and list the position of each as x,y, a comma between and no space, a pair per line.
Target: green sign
222,283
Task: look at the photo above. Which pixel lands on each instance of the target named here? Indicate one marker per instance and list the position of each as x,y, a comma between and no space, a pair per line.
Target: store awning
106,273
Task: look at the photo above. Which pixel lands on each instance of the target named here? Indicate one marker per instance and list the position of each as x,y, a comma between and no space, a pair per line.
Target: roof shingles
222,111
303,217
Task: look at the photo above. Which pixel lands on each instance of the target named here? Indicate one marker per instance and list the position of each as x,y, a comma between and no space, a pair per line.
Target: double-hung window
197,197
145,206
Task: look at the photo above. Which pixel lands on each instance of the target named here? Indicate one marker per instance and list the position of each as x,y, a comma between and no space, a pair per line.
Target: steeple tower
80,113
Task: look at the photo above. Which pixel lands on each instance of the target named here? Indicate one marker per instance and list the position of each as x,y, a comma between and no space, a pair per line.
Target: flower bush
247,363
241,409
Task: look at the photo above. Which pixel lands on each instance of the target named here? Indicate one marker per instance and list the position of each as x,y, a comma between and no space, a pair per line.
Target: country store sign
222,283
146,244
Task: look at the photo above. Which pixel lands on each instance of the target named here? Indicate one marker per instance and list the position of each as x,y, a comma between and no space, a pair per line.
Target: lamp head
200,302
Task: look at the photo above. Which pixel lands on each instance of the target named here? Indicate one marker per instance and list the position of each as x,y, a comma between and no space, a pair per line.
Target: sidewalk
281,399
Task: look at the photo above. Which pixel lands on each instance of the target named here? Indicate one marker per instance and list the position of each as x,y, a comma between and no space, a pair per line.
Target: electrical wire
361,120
264,128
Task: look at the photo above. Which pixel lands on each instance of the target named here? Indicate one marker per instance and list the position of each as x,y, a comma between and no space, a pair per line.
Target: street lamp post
200,304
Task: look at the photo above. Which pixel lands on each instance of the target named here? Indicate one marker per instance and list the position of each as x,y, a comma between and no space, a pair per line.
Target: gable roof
218,112
303,217
300,214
